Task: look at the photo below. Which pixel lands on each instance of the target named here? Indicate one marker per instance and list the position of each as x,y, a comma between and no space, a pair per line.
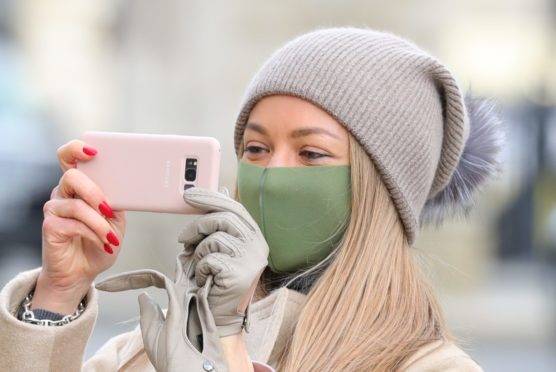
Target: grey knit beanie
432,146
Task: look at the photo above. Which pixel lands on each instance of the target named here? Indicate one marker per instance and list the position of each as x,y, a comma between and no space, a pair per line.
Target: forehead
283,112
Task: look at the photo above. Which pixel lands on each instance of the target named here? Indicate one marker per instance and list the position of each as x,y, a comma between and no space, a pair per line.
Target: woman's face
286,131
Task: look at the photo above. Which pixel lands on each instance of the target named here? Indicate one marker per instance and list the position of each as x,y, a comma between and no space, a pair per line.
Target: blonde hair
371,308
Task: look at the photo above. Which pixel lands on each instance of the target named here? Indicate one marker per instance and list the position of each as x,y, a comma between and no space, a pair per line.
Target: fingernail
113,239
89,151
105,209
108,248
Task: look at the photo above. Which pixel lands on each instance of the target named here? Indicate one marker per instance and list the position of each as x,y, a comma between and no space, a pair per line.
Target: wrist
58,299
45,317
235,352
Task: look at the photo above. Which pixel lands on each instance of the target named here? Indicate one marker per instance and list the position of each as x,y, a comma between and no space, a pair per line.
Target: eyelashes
313,155
306,154
254,149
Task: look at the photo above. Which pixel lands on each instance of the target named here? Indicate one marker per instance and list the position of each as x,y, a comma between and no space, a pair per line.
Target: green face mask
301,211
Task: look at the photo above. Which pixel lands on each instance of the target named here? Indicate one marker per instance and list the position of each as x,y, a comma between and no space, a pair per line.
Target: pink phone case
149,172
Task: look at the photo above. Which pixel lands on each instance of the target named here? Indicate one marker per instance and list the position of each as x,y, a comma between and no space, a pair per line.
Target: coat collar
273,319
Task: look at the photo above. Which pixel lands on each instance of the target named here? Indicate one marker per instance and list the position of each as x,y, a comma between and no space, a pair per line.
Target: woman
348,139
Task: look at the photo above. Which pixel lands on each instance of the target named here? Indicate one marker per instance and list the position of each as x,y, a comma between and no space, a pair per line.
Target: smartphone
149,172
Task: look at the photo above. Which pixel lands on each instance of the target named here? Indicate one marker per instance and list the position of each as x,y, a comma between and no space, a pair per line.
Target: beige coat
26,347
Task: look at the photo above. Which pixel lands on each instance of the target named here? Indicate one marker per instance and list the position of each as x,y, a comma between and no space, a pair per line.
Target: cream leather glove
228,245
171,341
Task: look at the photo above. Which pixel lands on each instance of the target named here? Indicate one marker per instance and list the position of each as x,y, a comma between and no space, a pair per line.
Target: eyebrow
296,133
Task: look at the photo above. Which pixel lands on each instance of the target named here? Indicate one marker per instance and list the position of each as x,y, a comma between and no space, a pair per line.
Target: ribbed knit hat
431,146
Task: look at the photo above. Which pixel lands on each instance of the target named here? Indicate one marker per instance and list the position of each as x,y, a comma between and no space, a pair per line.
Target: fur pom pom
480,161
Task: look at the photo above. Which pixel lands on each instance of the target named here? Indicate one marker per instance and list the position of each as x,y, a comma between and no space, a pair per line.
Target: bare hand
81,235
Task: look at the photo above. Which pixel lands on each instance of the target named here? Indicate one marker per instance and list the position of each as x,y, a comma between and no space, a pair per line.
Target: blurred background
181,67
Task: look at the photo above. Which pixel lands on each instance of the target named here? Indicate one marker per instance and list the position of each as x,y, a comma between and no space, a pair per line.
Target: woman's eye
254,149
312,155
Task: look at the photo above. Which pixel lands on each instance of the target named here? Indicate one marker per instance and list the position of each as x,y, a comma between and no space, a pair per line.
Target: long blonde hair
371,307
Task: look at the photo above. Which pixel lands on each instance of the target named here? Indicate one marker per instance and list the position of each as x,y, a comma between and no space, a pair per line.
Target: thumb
151,323
212,201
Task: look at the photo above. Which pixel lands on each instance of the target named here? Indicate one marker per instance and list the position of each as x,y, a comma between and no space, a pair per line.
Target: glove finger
219,242
211,265
151,323
212,201
137,279
210,223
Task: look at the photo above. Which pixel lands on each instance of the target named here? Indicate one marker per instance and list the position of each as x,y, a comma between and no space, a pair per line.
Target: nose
282,157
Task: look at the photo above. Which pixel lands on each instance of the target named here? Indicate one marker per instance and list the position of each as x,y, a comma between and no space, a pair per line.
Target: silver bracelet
29,317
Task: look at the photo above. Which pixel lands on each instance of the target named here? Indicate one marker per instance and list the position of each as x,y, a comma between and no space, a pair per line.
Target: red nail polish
108,249
89,151
113,239
105,209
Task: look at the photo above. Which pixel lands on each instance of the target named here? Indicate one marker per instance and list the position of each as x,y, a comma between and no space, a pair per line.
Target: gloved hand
226,244
169,341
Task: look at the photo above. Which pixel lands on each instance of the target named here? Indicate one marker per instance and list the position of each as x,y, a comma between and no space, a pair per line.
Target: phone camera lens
188,186
190,169
190,174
